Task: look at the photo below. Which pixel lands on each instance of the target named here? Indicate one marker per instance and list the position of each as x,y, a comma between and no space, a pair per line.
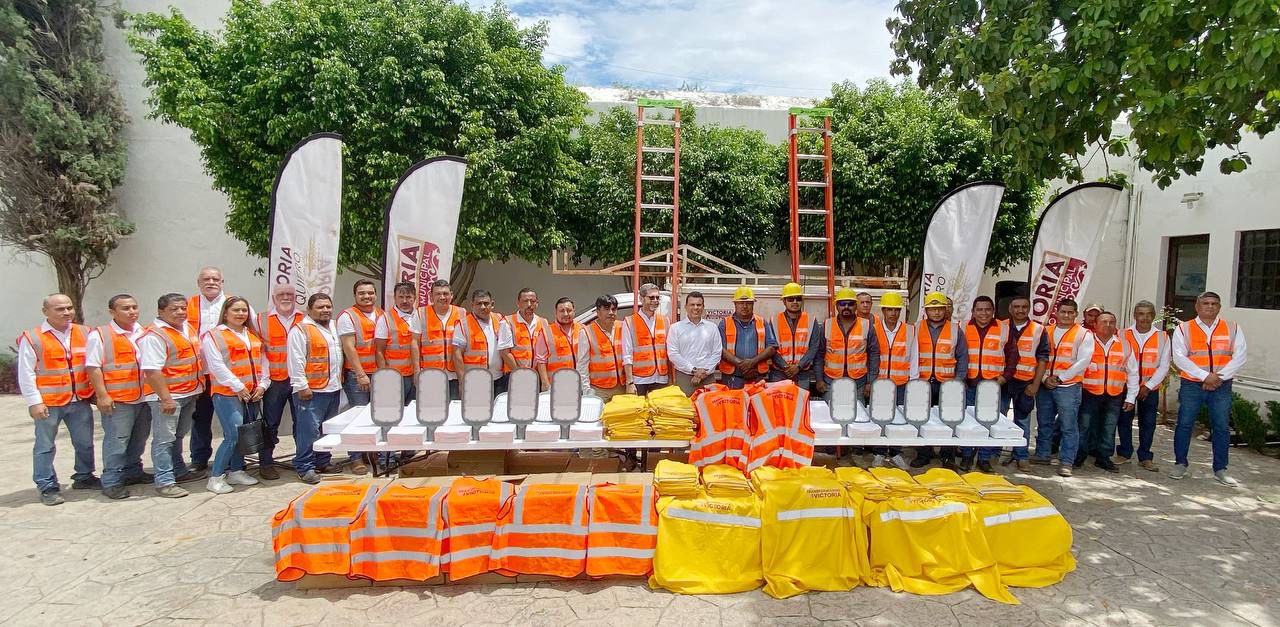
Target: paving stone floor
1150,551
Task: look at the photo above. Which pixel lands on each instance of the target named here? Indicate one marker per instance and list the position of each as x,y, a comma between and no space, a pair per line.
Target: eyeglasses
792,299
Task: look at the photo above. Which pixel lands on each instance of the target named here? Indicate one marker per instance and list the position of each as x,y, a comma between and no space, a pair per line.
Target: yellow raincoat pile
673,478
626,417
708,545
946,484
1029,539
673,414
665,414
724,480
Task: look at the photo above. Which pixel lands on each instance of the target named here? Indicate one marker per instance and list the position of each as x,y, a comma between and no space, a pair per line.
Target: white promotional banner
1068,236
422,224
955,246
306,217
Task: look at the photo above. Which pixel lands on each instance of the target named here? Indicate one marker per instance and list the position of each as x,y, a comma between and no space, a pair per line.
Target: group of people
211,355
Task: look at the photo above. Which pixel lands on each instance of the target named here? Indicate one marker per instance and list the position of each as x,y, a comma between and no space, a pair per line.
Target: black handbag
251,437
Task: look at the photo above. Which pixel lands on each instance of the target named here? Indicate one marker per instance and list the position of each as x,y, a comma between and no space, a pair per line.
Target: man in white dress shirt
204,309
1058,402
1150,348
170,362
693,346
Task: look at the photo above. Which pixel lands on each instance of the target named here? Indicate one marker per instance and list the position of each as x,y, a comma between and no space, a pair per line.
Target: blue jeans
232,412
310,414
985,453
1146,412
410,391
1191,396
278,394
124,437
202,427
1060,408
1098,416
1014,394
355,396
167,432
79,418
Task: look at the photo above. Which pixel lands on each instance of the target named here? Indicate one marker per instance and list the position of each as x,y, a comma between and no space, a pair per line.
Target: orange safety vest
722,427
623,531
781,435
1106,372
731,337
398,354
364,339
311,535
895,352
846,355
1063,355
986,352
1149,353
182,362
60,374
275,341
470,518
121,373
605,368
193,312
241,359
1211,353
542,531
1028,342
522,340
937,361
399,535
792,345
434,346
316,366
476,354
562,348
648,351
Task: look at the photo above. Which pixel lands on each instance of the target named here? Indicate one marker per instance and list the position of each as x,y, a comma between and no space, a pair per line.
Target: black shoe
268,472
92,483
192,475
985,466
966,463
921,461
116,492
330,469
1080,460
198,466
145,478
52,497
1106,465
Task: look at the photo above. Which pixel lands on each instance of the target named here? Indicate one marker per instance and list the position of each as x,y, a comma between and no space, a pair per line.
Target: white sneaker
877,461
1225,479
217,484
900,462
1179,471
240,477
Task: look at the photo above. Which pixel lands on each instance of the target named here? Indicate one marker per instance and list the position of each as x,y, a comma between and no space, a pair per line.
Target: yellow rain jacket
707,545
1030,540
812,536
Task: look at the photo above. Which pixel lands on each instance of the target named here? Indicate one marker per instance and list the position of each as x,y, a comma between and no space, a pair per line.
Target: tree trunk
913,280
460,278
71,281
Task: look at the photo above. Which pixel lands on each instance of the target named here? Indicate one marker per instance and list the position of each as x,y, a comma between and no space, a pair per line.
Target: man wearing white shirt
1208,353
564,346
693,346
393,338
1058,402
433,332
644,344
171,364
111,358
526,326
53,382
483,340
1110,372
203,311
315,374
273,329
1150,347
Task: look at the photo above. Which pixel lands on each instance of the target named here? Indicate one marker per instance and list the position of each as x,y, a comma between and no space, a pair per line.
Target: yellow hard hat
935,299
744,295
792,289
891,300
846,293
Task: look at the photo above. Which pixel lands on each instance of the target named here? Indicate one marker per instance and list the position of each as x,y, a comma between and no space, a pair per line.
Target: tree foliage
62,150
897,149
1053,77
731,181
400,80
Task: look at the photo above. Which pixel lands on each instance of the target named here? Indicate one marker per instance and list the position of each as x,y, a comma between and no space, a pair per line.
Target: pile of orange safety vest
763,424
465,527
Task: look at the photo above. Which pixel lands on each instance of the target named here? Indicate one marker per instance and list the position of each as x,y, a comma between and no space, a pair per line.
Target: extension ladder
671,264
801,271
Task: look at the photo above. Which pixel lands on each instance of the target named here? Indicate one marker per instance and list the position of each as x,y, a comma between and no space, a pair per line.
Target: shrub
1246,418
1273,412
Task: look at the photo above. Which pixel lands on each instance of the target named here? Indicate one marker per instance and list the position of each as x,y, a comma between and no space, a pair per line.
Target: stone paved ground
1150,550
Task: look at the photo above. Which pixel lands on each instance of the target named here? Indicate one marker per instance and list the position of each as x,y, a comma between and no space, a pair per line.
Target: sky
766,47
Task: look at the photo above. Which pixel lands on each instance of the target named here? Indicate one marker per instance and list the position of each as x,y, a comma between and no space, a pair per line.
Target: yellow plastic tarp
812,536
707,545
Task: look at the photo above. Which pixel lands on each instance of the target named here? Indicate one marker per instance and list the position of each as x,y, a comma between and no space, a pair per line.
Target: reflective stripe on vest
623,531
398,353
240,359
648,351
1213,352
722,436
917,515
399,535
364,338
781,434
730,344
470,511
523,340
713,518
435,344
846,354
59,370
121,373
792,345
543,531
476,354
937,361
275,343
182,364
605,367
1063,354
1149,354
1106,372
895,353
316,366
311,536
1028,342
986,352
1022,514
562,348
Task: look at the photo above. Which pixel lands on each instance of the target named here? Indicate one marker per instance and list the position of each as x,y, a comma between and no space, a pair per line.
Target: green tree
401,80
731,181
1053,77
62,150
897,149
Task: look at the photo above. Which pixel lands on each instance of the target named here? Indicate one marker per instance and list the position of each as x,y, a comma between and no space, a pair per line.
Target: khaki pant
685,381
605,394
